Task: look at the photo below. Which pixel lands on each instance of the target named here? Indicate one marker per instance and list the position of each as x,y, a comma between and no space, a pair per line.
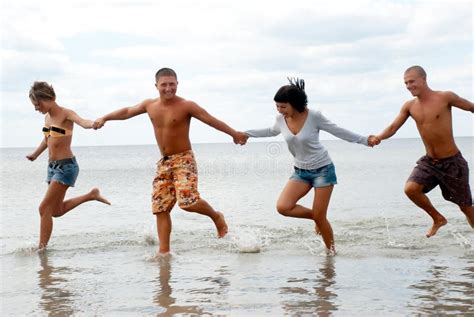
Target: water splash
149,239
459,238
27,250
391,242
317,247
160,258
247,241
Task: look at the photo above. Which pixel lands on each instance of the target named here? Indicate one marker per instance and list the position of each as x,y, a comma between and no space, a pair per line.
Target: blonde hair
41,90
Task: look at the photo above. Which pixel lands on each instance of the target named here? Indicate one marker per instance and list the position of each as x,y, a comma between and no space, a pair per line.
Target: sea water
101,260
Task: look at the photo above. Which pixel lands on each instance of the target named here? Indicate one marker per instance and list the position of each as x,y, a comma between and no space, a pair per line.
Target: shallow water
101,259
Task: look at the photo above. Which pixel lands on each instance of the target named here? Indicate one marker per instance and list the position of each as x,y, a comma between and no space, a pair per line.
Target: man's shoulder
188,105
186,102
445,94
150,101
410,103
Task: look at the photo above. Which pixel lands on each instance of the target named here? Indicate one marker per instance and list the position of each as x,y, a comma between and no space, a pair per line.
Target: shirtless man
443,163
176,177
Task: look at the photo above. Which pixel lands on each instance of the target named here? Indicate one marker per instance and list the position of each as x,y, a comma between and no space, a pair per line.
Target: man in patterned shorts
176,178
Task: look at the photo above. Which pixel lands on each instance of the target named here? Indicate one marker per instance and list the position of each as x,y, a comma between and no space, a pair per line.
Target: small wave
26,250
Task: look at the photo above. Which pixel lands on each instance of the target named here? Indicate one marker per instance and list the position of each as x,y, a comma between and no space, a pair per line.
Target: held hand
373,140
240,138
98,123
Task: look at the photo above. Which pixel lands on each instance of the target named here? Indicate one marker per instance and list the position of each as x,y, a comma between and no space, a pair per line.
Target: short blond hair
417,69
41,90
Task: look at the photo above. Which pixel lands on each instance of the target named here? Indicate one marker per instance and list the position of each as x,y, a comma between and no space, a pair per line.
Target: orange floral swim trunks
176,180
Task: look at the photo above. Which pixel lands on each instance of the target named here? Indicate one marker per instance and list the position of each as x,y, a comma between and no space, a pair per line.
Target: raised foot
436,225
95,193
221,225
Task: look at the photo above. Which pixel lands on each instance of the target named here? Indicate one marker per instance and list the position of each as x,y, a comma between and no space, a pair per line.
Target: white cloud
231,57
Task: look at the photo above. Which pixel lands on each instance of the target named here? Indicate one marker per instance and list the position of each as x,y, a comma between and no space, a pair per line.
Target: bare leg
163,224
321,200
286,204
414,191
52,201
72,203
469,212
203,208
53,205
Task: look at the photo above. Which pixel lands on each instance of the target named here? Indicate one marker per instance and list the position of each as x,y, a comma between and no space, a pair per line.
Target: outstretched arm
396,124
121,114
74,117
458,102
40,149
202,115
265,133
326,125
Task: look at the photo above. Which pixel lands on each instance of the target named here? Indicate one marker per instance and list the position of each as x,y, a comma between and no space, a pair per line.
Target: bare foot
331,252
221,225
97,196
163,255
41,249
436,225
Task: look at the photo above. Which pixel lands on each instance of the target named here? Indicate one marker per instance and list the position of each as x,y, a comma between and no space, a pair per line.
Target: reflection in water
56,300
312,296
443,294
163,296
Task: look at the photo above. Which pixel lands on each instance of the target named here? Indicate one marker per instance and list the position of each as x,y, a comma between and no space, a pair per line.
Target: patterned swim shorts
176,180
451,174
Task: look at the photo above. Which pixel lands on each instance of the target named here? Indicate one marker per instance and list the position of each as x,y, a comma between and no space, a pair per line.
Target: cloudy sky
231,57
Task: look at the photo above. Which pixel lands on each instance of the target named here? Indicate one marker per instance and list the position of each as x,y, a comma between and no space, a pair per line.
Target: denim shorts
320,177
63,171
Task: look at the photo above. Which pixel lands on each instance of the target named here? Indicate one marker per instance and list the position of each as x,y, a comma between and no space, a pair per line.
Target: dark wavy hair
293,94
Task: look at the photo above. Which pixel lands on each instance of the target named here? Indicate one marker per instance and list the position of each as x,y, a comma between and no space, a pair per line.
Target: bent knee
44,211
413,189
284,209
187,205
48,211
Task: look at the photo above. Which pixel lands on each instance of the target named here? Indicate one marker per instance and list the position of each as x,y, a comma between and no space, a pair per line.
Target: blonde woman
62,166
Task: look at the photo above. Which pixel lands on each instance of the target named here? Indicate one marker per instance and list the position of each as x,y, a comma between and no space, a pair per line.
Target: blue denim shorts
63,171
320,177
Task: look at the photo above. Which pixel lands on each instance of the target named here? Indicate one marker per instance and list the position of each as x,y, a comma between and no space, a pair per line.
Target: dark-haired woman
62,166
313,167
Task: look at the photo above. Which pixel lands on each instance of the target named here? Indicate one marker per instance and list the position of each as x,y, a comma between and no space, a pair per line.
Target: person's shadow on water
434,294
56,299
163,295
312,296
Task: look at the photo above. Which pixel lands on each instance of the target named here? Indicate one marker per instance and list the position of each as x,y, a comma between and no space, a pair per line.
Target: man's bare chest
169,118
430,113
